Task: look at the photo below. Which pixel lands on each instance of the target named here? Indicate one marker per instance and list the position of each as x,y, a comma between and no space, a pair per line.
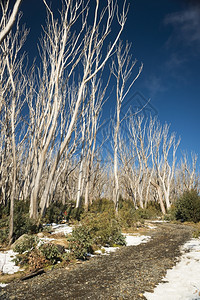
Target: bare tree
186,177
62,50
139,168
151,169
166,169
13,86
95,106
6,23
122,70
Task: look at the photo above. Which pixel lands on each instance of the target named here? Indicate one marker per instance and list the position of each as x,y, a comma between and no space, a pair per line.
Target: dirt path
125,274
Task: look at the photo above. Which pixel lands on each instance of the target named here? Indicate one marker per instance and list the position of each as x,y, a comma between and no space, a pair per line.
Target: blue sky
165,36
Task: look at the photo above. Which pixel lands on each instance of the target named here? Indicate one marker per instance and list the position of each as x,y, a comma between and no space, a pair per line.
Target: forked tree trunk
160,198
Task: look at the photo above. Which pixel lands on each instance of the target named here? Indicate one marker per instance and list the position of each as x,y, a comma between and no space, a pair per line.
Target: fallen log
33,274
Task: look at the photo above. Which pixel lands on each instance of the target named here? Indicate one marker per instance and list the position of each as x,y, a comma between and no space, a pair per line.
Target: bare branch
11,21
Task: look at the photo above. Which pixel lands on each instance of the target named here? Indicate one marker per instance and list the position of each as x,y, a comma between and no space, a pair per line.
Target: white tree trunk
11,21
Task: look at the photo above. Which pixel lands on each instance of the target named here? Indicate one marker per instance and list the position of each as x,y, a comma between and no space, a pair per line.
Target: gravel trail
125,274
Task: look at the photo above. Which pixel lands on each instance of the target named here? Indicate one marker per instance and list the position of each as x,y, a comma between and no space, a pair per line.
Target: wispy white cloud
176,66
186,24
175,60
154,85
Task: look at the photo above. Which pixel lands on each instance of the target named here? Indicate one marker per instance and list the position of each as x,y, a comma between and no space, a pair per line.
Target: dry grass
7,278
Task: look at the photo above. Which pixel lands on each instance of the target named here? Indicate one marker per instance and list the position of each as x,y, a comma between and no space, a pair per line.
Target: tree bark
11,21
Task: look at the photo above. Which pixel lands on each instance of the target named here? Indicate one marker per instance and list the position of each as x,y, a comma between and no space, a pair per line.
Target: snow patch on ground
61,228
8,266
106,250
3,284
159,221
44,240
131,240
183,281
135,240
151,226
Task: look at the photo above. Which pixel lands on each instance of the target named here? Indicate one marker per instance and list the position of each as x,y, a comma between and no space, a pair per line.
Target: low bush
22,259
34,260
153,210
3,236
51,253
4,210
4,228
22,222
187,207
129,215
76,213
196,234
171,214
126,213
24,225
55,213
80,242
68,257
104,228
101,205
35,257
95,229
58,212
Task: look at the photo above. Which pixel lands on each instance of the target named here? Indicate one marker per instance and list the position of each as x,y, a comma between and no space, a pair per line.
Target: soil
125,274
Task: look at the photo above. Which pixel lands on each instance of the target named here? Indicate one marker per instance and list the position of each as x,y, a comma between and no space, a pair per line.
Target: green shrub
47,228
27,243
152,210
126,213
4,210
3,235
76,213
51,253
102,205
22,222
171,214
22,259
95,229
129,215
21,207
4,228
187,207
4,222
24,225
141,214
58,212
104,228
33,259
196,234
55,213
68,257
80,242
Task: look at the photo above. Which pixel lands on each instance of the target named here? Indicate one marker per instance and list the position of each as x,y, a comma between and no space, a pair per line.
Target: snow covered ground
159,221
131,240
135,240
6,263
61,228
183,281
